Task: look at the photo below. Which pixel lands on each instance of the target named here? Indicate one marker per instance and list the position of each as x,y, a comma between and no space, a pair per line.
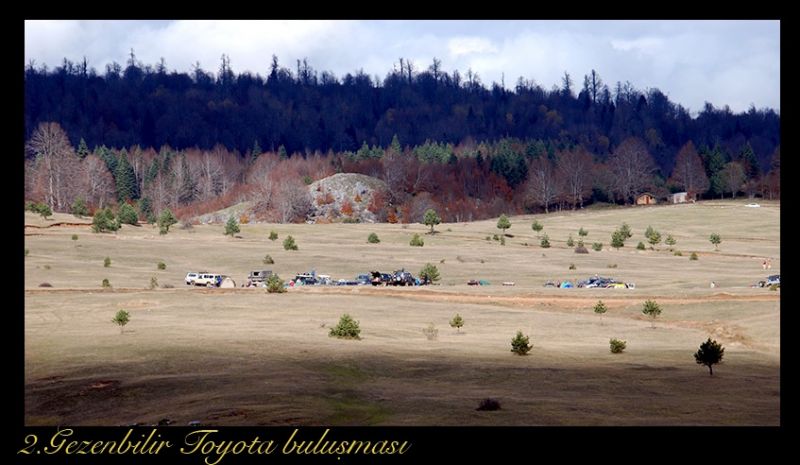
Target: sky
734,63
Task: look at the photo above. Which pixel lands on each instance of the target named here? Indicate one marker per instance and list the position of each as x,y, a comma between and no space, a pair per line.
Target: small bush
640,246
167,286
570,241
289,243
161,266
273,235
74,237
373,238
268,260
104,221
153,282
488,404
774,287
121,319
583,233
429,273
457,322
232,227
616,346
581,249
545,242
430,332
417,241
47,267
107,262
580,242
495,237
45,210
597,246
520,344
275,284
79,208
45,285
488,238
678,253
716,240
165,220
31,207
441,262
347,328
307,180
127,214
626,230
536,226
186,226
106,284
349,220
502,240
572,266
611,265
693,256
27,251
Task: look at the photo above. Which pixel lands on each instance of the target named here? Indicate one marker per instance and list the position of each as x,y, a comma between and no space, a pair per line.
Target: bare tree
210,178
97,181
632,168
574,167
733,177
55,162
291,199
261,179
542,185
689,172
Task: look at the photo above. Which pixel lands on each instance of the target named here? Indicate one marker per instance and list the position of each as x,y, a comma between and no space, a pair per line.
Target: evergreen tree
395,145
429,273
83,149
127,187
79,208
231,227
503,223
749,162
457,322
146,210
709,354
165,220
188,187
127,214
431,219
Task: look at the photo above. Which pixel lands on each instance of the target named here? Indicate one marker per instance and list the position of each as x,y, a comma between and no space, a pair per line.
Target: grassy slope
245,357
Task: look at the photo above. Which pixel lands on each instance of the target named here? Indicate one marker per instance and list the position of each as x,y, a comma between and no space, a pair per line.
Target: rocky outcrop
346,197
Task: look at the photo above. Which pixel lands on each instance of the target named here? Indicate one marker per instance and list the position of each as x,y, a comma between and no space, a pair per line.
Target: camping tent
227,283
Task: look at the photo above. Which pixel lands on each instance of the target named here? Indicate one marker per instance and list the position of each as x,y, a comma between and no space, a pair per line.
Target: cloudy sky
735,63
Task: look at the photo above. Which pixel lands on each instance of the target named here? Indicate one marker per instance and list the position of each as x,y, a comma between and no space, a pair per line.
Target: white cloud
458,46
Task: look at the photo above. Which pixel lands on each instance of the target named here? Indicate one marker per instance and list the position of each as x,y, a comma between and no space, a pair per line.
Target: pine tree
503,223
231,227
431,218
165,220
127,188
457,322
710,353
395,145
83,149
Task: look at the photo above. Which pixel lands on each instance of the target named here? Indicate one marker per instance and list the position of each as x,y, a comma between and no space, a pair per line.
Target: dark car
403,278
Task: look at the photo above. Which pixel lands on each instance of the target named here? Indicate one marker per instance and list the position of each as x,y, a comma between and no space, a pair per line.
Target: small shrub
449,230
536,226
572,266
47,267
232,227
441,262
167,286
618,239
670,241
417,241
107,262
581,249
431,218
600,308
774,287
597,246
651,309
430,332
27,251
349,220
307,180
104,221
121,319
153,282
161,266
640,246
626,230
289,243
165,220
45,285
716,240
520,344
127,214
429,273
185,226
74,237
347,328
583,233
268,260
580,242
79,208
503,223
105,283
488,238
678,253
45,210
693,256
31,207
273,235
545,242
275,284
373,238
617,346
502,240
488,404
457,322
244,218
570,241
495,237
611,265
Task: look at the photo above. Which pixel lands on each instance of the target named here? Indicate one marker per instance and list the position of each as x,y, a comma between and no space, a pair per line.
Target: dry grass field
245,357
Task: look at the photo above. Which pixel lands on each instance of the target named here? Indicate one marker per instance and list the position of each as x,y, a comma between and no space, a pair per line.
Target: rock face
345,197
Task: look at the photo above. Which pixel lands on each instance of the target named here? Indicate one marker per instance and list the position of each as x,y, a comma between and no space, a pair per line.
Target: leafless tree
575,167
632,168
732,177
98,184
542,186
689,172
291,199
56,163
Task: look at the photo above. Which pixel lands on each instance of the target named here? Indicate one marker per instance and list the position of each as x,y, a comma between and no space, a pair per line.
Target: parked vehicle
259,276
191,277
403,278
773,279
363,279
208,280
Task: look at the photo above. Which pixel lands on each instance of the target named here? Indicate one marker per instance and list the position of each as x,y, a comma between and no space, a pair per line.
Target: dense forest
194,141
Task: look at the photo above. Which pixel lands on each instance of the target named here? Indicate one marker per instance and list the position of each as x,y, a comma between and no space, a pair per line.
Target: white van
208,280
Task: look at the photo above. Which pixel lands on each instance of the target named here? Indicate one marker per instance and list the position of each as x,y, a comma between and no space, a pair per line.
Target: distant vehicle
324,279
472,282
259,276
753,205
191,277
363,279
550,284
305,279
208,280
403,278
773,279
